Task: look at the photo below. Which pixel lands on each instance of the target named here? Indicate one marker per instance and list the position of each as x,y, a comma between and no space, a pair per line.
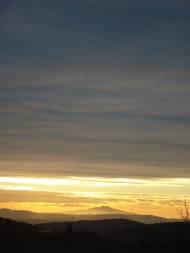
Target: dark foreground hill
111,228
95,236
14,229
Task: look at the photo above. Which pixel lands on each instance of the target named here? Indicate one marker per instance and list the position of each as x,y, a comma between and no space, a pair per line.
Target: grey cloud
95,84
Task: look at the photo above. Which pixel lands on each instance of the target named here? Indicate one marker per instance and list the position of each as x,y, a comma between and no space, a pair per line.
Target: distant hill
172,233
108,228
127,231
98,213
100,210
34,218
11,228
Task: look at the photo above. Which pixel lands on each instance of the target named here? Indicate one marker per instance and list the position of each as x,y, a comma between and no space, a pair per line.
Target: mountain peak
100,210
105,208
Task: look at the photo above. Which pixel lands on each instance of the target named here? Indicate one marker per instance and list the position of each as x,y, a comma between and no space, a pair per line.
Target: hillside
100,210
94,236
98,213
13,229
108,228
34,218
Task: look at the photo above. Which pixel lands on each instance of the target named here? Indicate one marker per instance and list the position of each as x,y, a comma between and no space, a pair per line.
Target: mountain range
97,213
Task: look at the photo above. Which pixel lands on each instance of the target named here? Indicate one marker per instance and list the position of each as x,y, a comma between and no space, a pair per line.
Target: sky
95,104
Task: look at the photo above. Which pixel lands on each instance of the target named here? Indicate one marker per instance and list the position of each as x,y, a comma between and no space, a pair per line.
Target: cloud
95,88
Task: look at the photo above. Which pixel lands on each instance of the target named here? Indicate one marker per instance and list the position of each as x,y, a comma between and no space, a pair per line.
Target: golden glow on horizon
151,196
16,188
96,181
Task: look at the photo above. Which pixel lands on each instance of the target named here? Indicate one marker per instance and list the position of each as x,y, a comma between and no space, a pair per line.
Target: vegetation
118,236
184,211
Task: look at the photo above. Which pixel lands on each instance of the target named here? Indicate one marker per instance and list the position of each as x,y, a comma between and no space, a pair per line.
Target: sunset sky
95,105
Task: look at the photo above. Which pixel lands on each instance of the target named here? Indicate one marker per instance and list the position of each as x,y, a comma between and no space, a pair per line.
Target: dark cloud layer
95,88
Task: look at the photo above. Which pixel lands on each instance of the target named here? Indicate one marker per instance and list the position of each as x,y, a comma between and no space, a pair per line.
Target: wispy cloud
95,88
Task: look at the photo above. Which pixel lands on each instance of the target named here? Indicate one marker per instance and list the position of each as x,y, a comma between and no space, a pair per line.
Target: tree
69,230
184,211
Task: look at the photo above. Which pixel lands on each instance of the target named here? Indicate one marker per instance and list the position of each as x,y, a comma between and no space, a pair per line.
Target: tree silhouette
69,230
184,211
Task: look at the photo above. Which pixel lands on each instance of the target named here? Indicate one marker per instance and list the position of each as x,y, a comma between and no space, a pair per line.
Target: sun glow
150,196
16,188
94,182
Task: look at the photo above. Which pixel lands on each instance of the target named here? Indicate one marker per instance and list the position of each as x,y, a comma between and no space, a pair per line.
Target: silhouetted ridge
118,235
97,213
103,227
